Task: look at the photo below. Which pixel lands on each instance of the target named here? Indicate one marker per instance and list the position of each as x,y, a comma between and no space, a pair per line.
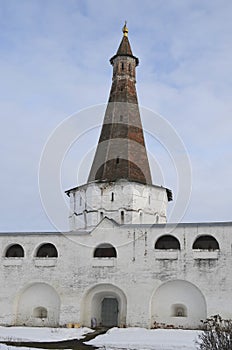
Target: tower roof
124,48
121,151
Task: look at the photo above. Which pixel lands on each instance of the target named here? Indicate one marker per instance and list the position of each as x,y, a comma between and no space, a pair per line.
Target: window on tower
122,217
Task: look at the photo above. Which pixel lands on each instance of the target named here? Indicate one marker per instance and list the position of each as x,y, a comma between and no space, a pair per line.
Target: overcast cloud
54,62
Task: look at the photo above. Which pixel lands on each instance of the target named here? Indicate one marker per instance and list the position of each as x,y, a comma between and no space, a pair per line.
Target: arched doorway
106,304
109,312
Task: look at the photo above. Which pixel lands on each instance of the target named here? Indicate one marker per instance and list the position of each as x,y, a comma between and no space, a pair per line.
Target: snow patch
38,334
147,339
115,338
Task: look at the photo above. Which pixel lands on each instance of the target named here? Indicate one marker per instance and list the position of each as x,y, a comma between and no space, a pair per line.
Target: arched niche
179,310
93,303
178,303
38,305
40,312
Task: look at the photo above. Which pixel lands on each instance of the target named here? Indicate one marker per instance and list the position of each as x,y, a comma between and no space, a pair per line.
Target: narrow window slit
122,217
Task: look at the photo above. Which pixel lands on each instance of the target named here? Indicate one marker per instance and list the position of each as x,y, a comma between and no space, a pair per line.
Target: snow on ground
115,338
41,334
149,339
7,347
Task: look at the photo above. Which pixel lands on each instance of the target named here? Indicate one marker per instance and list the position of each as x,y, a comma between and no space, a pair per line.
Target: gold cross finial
125,29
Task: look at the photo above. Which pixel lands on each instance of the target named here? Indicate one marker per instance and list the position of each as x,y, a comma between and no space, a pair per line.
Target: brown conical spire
121,151
124,47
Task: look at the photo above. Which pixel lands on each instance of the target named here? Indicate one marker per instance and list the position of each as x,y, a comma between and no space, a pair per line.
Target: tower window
112,196
122,66
117,160
129,67
122,217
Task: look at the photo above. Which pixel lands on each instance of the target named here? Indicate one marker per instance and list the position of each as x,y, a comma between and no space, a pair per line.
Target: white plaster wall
138,271
141,204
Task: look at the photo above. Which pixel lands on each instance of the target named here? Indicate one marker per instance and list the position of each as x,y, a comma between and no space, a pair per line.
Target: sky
54,63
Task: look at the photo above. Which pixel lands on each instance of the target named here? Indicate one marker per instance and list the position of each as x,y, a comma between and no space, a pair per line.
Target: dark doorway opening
109,312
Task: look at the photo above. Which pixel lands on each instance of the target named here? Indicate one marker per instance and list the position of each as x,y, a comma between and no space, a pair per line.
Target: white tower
119,184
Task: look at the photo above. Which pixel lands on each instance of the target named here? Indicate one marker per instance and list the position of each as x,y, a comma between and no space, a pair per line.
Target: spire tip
125,29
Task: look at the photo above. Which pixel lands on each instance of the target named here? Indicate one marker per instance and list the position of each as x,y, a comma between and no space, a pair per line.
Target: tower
121,152
119,184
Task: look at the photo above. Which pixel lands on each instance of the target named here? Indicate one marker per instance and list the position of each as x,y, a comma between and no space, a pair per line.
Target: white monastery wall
121,264
150,285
